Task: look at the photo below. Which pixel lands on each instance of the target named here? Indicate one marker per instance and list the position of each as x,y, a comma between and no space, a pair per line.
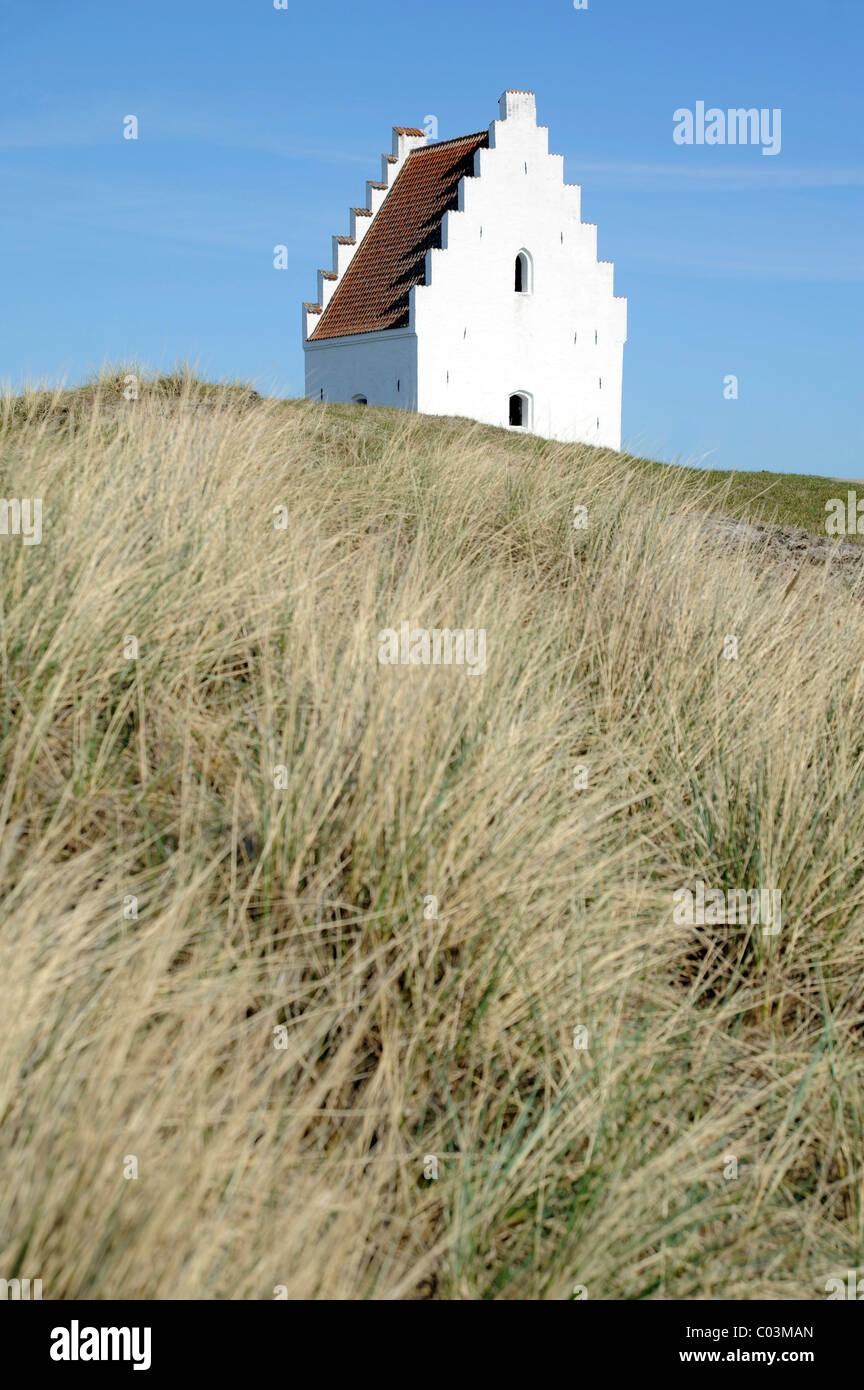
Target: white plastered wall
478,340
380,366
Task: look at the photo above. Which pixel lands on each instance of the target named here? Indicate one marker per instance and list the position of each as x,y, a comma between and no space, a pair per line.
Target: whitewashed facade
539,347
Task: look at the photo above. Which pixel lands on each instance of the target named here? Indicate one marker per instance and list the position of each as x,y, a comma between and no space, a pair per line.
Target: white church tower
469,285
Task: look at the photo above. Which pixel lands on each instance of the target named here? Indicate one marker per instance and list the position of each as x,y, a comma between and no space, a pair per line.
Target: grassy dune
287,1034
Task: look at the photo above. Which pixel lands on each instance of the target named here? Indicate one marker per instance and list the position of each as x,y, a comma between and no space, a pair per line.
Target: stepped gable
373,292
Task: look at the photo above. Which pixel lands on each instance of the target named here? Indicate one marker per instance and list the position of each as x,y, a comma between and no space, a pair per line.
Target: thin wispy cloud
625,173
844,267
90,130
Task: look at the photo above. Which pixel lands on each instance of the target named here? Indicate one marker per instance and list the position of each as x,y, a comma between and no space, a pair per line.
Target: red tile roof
408,130
373,293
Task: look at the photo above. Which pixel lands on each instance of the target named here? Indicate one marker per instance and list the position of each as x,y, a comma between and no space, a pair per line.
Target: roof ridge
453,140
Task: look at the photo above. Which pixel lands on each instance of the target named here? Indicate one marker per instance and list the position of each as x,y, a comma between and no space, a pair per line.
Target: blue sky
259,127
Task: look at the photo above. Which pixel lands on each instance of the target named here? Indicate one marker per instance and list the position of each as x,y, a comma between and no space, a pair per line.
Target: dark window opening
516,410
519,275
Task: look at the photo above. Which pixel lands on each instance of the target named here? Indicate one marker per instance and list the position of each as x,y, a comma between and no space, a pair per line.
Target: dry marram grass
409,1036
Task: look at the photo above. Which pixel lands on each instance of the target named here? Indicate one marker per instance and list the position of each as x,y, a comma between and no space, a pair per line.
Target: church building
469,285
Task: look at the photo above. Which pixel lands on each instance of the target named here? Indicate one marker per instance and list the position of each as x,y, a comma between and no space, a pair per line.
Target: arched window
523,273
359,400
519,410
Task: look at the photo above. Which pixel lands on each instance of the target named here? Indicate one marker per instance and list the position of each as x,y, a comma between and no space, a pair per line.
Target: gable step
376,192
326,286
343,249
310,318
361,221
